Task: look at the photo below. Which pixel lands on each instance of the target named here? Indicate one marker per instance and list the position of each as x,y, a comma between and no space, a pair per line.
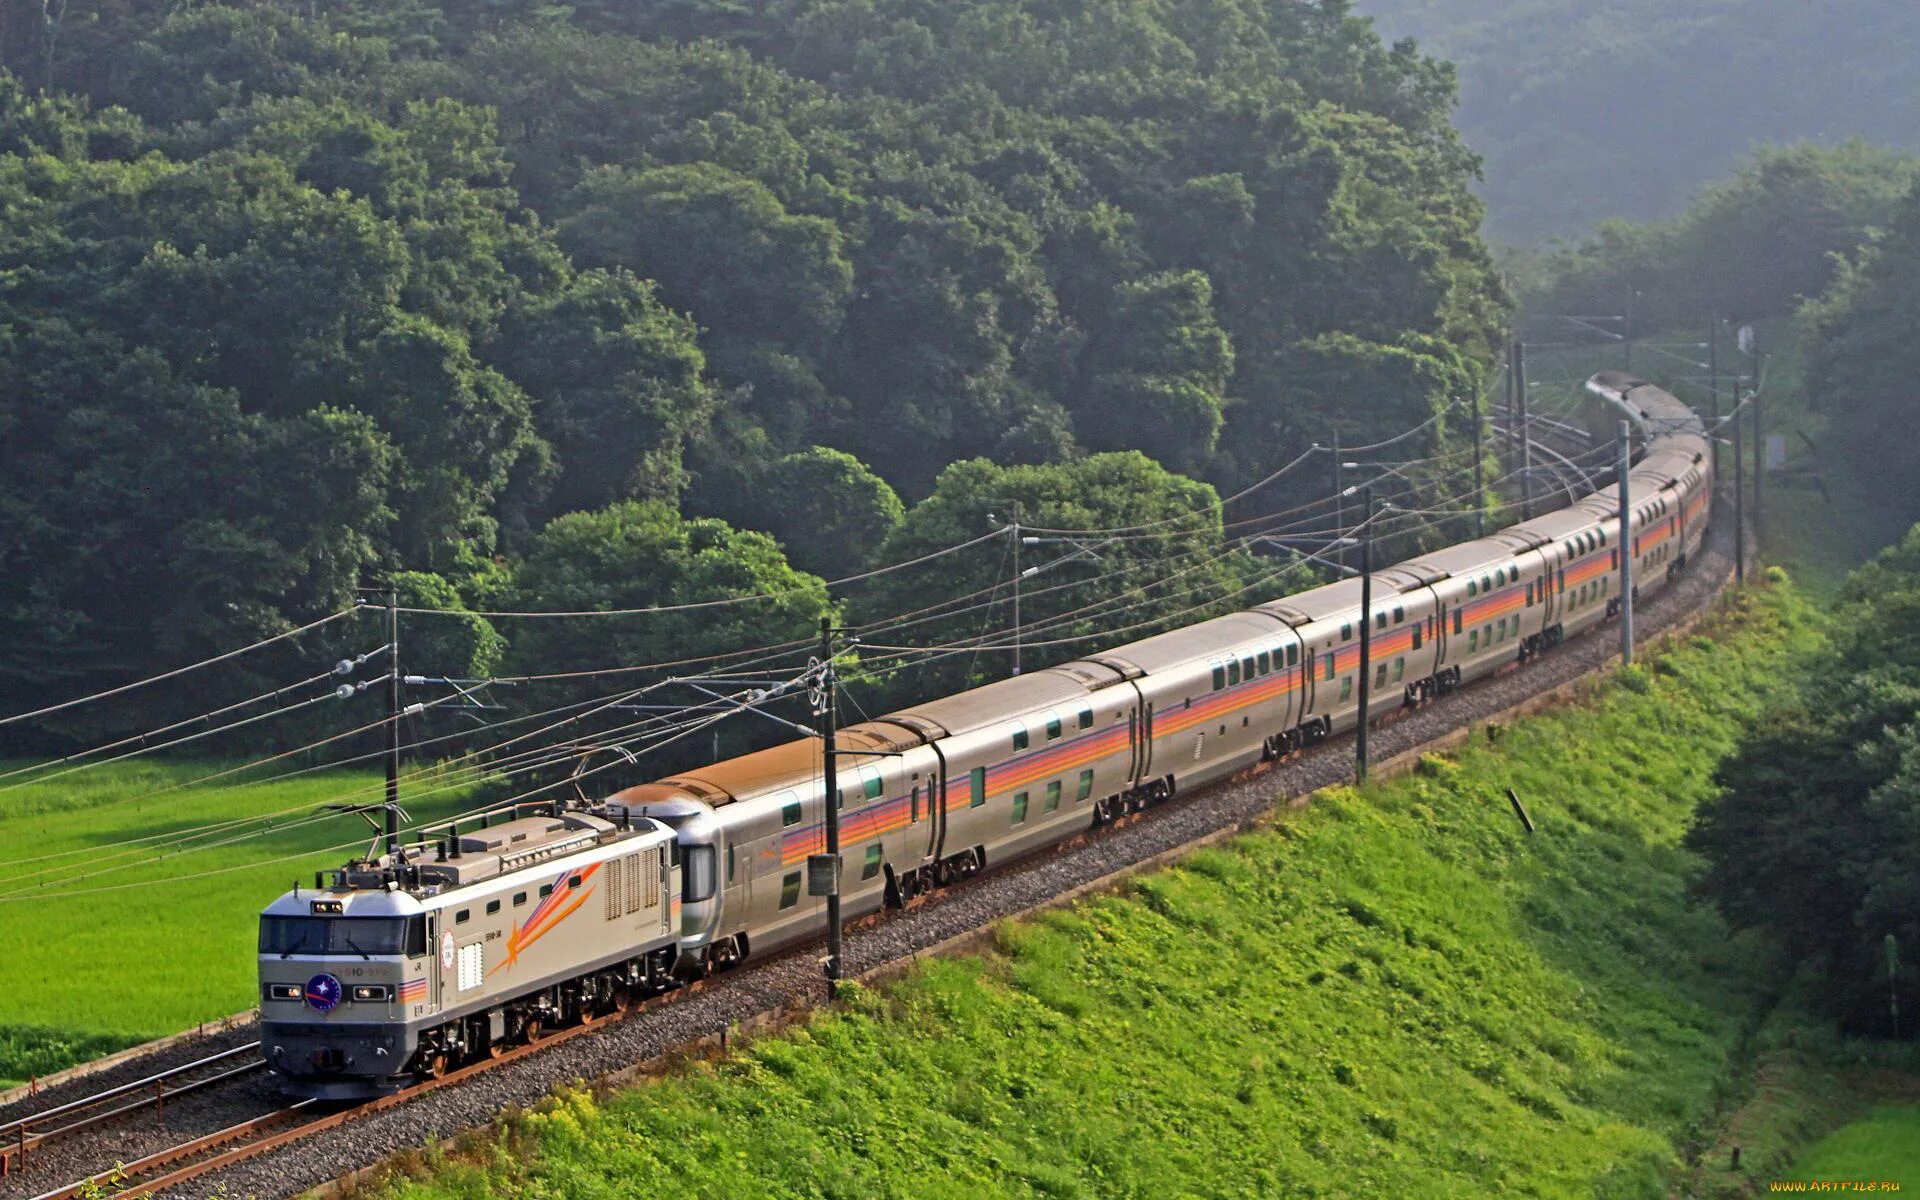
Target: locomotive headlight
283,991
373,991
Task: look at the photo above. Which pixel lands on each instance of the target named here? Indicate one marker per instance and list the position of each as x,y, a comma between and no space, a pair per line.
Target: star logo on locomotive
323,992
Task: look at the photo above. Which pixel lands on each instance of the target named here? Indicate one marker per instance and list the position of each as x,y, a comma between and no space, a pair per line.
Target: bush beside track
1396,992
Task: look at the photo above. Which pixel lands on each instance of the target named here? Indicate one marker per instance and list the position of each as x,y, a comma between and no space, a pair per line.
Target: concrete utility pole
1713,390
1339,504
393,719
1739,494
1366,634
1479,467
1759,457
1626,549
823,870
1016,587
1526,430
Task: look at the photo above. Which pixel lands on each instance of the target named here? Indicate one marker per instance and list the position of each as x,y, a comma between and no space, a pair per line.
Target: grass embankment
1884,1147
170,942
1395,992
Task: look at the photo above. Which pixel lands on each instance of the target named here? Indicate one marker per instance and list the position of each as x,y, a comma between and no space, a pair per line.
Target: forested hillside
1588,109
558,305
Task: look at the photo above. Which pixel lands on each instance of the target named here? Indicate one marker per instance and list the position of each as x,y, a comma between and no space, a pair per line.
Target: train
452,948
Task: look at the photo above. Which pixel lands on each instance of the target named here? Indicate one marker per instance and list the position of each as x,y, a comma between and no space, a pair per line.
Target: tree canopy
1816,836
295,297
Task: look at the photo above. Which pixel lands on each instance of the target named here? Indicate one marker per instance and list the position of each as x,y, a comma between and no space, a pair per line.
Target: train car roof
998,702
1196,643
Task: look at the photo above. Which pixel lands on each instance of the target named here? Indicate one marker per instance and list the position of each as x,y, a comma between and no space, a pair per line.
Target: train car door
437,961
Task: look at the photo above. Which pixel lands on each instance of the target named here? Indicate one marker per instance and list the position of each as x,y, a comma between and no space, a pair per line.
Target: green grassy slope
1396,992
1884,1146
111,940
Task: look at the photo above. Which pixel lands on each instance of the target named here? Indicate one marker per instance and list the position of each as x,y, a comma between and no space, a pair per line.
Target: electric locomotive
398,967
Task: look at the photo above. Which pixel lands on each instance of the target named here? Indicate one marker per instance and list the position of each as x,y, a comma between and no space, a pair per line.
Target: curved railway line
225,1137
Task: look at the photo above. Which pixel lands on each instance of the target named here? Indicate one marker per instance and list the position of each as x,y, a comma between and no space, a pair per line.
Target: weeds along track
239,1137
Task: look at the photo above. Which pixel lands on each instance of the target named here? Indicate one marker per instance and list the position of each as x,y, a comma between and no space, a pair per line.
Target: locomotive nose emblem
323,992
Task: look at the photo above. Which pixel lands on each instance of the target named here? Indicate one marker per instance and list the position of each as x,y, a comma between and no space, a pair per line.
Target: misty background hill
1587,109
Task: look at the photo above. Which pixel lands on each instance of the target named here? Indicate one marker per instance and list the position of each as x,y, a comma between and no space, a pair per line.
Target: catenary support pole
830,778
1626,548
1739,493
1016,587
393,720
1339,504
1479,470
1759,458
1713,391
1366,634
1526,430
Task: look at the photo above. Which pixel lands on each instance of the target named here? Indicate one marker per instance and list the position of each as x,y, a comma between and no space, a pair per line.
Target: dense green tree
617,386
1864,358
825,507
1590,109
1755,245
1816,837
1157,373
1168,563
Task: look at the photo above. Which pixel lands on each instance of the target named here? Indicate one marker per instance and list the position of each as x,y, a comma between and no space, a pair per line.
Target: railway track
202,1154
234,1144
22,1137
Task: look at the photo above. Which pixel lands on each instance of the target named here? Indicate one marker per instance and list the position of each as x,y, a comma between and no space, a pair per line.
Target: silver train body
939,791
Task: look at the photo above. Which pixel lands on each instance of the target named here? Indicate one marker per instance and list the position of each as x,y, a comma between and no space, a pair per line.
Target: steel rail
242,1141
25,1134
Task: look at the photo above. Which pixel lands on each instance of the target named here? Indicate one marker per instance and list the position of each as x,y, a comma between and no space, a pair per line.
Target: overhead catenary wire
177,672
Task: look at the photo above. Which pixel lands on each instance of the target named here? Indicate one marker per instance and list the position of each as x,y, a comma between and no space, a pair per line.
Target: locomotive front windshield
343,935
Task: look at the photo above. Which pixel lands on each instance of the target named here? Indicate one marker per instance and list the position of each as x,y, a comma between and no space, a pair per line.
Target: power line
178,671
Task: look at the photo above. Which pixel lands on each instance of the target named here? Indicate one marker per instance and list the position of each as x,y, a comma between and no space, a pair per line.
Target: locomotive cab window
343,935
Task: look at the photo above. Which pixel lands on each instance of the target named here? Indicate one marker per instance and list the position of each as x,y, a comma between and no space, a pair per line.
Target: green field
86,970
1394,993
1884,1146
